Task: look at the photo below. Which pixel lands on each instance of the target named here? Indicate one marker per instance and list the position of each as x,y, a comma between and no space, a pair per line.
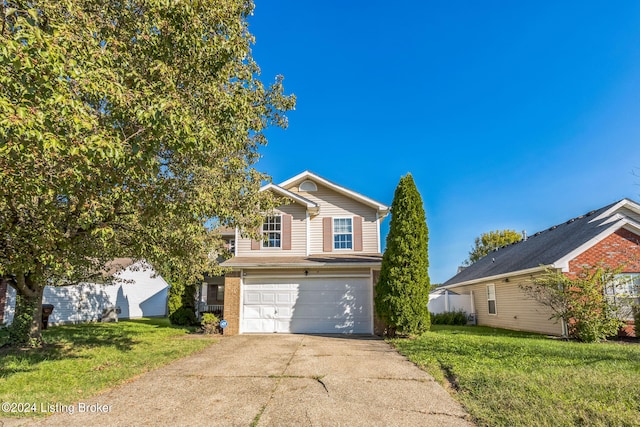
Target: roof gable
382,209
554,246
310,205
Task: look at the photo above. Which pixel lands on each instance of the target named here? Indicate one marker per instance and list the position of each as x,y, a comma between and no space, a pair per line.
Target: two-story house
315,268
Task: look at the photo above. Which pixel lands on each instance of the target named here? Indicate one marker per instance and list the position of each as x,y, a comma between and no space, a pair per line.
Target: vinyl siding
515,310
333,204
141,293
298,235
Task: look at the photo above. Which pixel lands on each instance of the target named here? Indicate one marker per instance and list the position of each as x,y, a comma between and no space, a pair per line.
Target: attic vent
553,228
590,213
308,186
571,220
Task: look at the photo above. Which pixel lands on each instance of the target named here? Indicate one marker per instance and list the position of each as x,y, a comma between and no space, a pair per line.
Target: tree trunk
26,326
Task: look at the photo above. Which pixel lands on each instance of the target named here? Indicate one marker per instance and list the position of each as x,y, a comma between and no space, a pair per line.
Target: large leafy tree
402,292
489,241
126,129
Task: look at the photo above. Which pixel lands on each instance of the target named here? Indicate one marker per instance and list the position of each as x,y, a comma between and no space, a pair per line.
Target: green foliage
126,132
580,302
636,319
88,358
209,323
402,293
487,242
449,318
182,304
508,378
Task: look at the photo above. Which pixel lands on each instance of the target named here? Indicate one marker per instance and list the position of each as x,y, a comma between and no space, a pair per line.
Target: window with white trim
625,285
624,292
272,232
491,298
342,233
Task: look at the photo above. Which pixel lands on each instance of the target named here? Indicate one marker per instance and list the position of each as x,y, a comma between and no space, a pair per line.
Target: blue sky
516,115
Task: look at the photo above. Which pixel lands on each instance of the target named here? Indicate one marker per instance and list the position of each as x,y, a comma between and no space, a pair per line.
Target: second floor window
342,233
272,232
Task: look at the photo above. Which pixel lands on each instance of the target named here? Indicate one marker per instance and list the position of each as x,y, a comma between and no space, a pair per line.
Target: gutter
500,276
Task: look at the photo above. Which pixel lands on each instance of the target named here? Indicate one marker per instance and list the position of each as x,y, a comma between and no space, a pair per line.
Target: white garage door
307,305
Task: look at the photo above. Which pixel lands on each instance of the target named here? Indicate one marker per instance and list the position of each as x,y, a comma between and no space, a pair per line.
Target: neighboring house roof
382,209
364,260
553,247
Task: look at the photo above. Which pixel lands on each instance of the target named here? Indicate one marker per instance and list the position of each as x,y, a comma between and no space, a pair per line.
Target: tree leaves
125,128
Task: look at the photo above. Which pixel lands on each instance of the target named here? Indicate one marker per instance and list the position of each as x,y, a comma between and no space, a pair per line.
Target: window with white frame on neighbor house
342,233
626,285
272,232
491,298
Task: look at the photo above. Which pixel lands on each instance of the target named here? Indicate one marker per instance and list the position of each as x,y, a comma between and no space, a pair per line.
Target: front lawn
506,378
80,360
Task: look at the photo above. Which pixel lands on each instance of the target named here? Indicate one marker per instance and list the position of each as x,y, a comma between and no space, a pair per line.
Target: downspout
308,221
378,224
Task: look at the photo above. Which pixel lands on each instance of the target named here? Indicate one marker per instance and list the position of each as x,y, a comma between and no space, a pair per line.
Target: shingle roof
542,248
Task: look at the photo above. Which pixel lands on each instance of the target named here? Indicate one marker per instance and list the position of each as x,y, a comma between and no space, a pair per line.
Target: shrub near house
608,237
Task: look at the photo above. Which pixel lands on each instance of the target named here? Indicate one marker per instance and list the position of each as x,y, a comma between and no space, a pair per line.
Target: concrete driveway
277,380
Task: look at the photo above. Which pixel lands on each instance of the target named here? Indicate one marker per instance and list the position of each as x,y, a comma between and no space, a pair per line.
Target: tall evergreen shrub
402,293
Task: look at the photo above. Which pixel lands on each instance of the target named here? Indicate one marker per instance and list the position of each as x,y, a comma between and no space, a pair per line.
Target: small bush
636,318
182,304
183,316
449,318
210,323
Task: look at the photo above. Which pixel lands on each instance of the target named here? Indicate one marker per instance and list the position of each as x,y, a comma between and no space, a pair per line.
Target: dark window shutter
327,234
286,232
357,233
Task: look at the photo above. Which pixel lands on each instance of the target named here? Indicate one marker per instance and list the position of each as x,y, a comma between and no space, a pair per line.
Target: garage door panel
307,305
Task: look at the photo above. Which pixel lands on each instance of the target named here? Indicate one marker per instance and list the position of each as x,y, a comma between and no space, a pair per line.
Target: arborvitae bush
402,293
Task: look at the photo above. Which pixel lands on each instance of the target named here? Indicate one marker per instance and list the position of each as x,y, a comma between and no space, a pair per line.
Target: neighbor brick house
609,236
315,268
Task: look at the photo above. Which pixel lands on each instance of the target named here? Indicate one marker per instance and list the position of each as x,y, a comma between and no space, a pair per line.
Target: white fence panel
446,302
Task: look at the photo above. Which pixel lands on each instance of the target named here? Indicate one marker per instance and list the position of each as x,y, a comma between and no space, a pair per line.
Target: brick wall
232,303
379,326
621,248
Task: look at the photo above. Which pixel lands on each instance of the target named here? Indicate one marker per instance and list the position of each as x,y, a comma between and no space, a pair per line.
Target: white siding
514,309
298,236
333,204
138,294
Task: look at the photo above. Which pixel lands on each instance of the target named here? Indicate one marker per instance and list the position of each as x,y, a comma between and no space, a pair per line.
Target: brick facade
379,327
621,248
232,303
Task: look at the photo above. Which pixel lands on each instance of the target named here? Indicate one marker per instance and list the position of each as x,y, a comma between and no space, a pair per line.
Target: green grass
80,360
506,378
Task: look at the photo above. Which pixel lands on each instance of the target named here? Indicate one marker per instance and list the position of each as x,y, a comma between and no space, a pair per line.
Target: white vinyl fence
446,302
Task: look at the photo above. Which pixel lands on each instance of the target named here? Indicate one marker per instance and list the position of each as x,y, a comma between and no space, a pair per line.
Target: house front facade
608,237
315,268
